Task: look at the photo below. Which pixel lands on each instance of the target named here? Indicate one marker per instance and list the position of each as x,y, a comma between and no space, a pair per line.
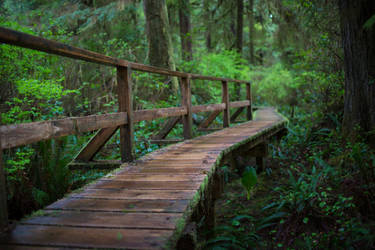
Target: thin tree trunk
251,31
208,23
185,30
359,65
239,27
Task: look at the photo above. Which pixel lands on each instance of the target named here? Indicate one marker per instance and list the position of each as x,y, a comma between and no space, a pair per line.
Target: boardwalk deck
143,205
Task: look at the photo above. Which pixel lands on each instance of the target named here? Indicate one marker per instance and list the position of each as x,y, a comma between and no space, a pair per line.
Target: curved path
146,204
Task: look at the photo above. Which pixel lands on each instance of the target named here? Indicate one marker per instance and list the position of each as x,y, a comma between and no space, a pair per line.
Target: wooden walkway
142,205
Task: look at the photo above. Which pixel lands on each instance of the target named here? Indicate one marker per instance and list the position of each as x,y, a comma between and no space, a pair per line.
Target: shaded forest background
292,53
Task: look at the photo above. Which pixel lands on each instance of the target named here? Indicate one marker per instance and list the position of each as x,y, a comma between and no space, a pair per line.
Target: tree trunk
239,35
251,31
359,65
239,27
160,44
185,30
208,20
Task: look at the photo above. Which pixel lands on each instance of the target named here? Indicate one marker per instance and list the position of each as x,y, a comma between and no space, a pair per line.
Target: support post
187,120
124,90
3,197
249,112
225,99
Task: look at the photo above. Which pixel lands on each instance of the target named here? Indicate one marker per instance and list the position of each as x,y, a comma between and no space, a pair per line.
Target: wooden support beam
124,89
209,119
95,144
186,102
166,128
260,150
3,197
249,112
225,99
236,114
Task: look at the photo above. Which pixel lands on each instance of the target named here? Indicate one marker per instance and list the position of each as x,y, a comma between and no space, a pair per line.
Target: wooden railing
21,134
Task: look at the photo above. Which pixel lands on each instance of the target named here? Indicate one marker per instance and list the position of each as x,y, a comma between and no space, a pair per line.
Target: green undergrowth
316,193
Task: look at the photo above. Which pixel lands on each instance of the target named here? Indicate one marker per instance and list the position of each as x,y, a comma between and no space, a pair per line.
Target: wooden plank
166,141
249,112
155,185
21,134
225,99
19,247
95,144
120,220
236,114
155,177
186,102
124,92
208,108
77,237
52,47
152,114
136,194
3,195
166,170
239,104
166,128
107,205
209,119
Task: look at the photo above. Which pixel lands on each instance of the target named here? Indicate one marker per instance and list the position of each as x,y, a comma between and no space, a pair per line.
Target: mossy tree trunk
159,40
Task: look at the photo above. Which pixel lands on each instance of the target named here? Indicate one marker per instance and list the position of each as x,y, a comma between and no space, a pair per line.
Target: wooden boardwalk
143,205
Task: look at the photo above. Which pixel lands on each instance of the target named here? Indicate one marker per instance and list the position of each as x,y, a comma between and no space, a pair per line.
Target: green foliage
249,179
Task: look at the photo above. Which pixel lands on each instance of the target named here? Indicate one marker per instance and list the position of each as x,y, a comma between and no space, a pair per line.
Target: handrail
21,134
52,47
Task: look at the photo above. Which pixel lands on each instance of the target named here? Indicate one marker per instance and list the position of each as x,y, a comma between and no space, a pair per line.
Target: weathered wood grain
187,120
236,114
239,104
166,128
80,237
152,114
21,134
209,119
108,205
225,99
208,108
96,143
125,103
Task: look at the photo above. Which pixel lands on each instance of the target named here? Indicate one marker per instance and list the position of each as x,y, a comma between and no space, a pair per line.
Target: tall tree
208,23
250,15
358,39
239,27
185,29
159,39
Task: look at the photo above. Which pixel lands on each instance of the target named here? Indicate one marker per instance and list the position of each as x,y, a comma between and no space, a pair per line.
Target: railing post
3,197
225,99
124,90
187,120
249,111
